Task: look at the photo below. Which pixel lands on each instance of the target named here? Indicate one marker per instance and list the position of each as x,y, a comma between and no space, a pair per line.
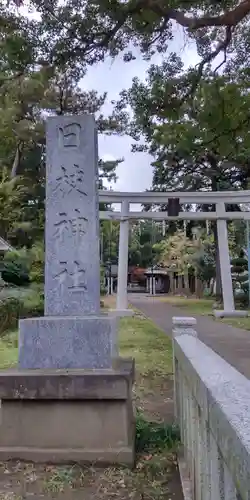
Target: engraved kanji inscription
75,225
72,276
69,135
67,182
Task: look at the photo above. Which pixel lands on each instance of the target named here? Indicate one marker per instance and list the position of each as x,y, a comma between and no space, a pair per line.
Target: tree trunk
180,288
171,282
200,288
196,285
177,284
186,284
16,161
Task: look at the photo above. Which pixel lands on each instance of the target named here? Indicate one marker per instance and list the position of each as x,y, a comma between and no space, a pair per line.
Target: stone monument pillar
72,266
72,333
69,400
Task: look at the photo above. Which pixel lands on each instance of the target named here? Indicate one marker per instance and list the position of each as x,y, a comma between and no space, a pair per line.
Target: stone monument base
67,342
120,313
67,416
230,314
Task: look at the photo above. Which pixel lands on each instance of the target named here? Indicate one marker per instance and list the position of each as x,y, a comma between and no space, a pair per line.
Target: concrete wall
212,402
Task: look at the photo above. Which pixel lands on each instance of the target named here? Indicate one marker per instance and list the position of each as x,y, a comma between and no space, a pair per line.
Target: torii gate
219,199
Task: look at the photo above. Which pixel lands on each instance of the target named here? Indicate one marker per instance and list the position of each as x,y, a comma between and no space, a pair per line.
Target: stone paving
233,344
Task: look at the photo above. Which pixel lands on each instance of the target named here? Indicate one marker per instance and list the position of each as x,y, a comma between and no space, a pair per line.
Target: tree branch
221,47
230,18
16,161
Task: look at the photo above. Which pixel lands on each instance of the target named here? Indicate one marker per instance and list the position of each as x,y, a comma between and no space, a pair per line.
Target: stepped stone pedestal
71,398
230,314
65,416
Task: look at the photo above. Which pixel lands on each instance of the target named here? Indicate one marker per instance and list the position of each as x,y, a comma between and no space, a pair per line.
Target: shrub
21,267
15,268
152,436
239,267
14,274
33,306
37,263
11,309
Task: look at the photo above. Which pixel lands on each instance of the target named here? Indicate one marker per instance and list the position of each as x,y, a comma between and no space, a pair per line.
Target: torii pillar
122,292
225,267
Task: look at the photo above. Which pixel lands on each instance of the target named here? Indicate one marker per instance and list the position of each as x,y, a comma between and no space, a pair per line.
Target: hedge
12,309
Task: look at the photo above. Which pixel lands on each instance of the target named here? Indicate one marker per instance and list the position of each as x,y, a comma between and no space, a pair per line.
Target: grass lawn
238,322
8,351
204,307
194,306
155,476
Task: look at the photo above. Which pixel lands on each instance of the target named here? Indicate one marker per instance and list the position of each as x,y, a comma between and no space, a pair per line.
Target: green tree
85,31
204,259
144,236
15,268
69,37
36,258
12,202
239,270
204,145
109,241
177,252
32,86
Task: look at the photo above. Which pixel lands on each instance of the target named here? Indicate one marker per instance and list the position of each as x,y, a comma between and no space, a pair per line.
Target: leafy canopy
35,83
81,32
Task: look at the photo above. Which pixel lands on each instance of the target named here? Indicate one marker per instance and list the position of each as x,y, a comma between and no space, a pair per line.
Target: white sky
135,173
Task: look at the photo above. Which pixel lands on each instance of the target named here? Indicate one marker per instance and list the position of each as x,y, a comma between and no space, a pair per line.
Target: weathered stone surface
72,334
230,314
124,365
68,384
101,457
221,395
56,342
71,399
184,325
184,321
65,416
72,269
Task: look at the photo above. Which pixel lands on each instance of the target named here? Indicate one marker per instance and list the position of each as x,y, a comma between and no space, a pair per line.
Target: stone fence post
182,325
212,401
